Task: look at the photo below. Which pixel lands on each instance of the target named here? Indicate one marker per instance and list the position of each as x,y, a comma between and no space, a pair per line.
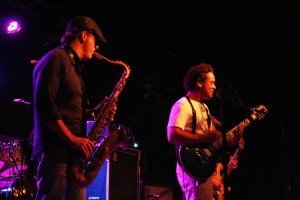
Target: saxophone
84,171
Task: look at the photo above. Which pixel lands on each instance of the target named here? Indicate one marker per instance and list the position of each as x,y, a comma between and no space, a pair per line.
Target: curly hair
196,73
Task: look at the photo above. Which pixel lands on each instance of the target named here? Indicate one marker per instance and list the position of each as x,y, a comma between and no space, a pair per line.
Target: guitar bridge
207,152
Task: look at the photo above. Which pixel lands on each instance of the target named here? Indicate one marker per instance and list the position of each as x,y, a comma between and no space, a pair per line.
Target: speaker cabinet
118,178
124,174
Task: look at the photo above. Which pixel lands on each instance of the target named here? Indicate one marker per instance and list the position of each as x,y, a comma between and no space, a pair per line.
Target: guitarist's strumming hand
210,136
178,136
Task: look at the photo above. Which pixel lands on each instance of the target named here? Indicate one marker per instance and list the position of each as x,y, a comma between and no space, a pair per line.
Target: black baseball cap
84,23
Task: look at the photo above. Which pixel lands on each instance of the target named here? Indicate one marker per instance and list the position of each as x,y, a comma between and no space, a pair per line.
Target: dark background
253,46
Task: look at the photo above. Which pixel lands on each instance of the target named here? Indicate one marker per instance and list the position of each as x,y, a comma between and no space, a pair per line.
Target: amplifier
118,178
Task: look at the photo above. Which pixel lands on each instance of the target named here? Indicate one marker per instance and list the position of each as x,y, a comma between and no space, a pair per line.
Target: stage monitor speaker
118,178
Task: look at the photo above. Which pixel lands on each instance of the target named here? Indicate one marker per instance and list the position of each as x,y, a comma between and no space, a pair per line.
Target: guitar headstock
259,112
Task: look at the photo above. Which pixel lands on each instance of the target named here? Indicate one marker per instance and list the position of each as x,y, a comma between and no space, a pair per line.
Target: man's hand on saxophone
94,113
84,145
113,112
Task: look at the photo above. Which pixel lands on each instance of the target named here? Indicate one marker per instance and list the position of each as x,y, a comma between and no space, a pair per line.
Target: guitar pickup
202,155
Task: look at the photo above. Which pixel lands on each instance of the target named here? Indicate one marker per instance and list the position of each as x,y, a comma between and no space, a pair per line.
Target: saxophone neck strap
73,57
79,68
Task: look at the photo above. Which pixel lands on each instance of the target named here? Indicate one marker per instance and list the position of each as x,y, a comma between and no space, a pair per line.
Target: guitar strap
193,128
194,115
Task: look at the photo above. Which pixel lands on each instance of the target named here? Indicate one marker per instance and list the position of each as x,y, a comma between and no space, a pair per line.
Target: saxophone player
60,104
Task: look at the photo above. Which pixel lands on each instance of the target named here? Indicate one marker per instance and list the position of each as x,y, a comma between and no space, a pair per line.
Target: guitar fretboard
232,133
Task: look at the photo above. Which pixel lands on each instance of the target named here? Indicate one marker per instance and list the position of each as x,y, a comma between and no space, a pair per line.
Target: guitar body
196,162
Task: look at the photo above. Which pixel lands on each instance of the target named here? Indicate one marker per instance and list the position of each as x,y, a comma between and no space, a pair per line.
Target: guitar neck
232,133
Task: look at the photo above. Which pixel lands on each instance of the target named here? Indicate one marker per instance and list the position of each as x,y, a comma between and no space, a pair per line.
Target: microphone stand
235,100
224,140
286,171
223,152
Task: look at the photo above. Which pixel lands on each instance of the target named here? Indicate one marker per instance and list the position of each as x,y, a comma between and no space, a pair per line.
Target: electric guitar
219,192
199,161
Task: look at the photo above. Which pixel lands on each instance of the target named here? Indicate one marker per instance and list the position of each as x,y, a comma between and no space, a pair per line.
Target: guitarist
190,124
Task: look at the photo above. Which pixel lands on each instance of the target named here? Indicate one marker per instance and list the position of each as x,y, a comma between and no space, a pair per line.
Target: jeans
52,181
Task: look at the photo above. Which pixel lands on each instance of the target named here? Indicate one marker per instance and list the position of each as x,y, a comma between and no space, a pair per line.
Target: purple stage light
13,27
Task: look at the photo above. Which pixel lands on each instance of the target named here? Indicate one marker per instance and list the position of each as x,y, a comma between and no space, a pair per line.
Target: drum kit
15,183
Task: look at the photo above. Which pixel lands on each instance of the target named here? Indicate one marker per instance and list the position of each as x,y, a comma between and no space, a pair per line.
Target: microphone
217,94
22,101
